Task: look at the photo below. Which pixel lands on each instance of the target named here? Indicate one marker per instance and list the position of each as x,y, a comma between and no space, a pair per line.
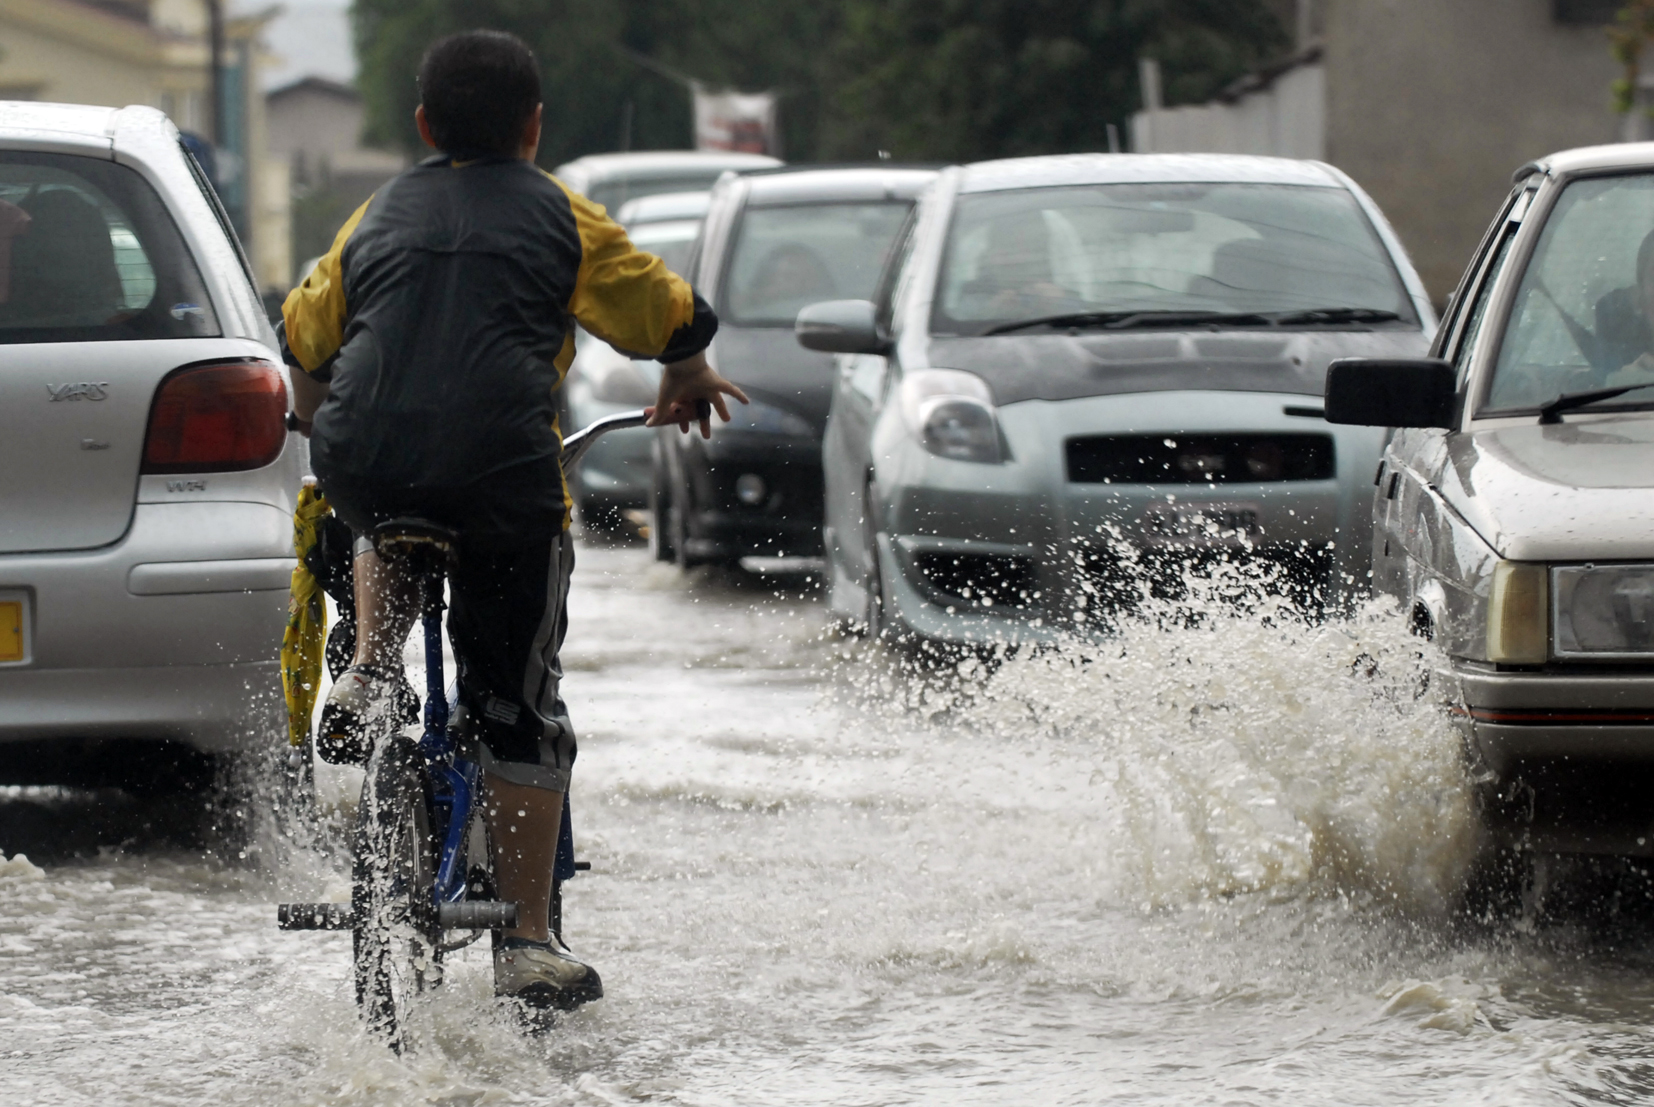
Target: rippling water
1202,864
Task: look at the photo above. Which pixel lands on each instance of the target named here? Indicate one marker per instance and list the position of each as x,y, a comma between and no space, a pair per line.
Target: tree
954,80
929,79
1632,31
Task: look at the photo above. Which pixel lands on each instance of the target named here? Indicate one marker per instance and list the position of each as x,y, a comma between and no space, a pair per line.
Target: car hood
1065,367
1573,491
772,368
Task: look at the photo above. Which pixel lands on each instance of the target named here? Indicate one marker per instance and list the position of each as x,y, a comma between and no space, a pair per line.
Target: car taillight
216,419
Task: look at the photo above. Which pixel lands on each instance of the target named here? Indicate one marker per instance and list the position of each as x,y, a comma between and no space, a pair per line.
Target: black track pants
507,619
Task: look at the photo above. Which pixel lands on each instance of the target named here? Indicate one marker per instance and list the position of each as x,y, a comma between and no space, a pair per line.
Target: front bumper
1523,717
1044,556
786,522
1563,761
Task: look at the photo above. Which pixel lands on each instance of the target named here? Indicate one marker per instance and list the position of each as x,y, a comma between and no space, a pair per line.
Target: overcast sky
310,37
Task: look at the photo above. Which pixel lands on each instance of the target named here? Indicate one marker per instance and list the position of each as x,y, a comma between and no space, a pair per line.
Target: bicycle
421,864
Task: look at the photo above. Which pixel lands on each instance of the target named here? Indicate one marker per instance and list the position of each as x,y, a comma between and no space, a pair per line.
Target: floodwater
1196,865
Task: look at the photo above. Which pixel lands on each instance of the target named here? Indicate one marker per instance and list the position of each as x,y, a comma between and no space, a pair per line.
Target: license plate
1201,524
13,647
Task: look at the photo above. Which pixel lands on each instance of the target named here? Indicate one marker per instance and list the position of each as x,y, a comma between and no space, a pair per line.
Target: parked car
614,476
774,241
146,541
1514,512
614,179
1088,371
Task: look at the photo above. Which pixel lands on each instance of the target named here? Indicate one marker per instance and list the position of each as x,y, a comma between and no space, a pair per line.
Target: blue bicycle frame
454,778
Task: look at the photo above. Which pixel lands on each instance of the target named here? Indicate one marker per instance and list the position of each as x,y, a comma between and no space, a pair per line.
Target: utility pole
1304,32
215,68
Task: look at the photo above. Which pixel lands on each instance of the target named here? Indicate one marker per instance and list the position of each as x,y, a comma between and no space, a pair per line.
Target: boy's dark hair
479,89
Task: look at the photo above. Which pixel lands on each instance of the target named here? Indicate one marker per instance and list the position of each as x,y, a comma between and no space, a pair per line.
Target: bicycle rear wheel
396,936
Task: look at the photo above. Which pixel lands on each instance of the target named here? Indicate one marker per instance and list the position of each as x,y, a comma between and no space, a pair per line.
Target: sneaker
363,702
544,974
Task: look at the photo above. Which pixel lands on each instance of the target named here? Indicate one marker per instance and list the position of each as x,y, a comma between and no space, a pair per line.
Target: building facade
156,52
1429,104
315,130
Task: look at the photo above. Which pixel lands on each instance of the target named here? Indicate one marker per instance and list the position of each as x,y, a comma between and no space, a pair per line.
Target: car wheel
660,511
677,518
875,620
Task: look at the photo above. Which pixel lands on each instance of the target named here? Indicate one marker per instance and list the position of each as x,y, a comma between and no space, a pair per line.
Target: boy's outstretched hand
684,386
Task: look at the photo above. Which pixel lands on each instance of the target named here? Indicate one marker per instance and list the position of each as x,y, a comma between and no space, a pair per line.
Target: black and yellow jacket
443,318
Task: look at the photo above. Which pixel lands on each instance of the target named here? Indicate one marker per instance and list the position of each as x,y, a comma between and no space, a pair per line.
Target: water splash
1243,746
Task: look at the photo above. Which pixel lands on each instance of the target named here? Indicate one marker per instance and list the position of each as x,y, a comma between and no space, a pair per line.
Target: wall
77,53
63,51
1284,118
1431,104
315,129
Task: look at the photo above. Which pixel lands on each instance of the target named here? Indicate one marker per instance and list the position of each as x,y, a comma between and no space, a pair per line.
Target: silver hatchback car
146,536
1088,372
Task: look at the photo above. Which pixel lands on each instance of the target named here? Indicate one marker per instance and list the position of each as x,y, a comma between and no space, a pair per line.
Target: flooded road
1209,865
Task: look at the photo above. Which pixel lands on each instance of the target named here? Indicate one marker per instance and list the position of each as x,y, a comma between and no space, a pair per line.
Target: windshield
1161,247
1581,318
787,258
87,252
615,191
671,241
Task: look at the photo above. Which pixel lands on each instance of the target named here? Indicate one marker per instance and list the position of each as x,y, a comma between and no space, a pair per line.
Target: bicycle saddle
410,537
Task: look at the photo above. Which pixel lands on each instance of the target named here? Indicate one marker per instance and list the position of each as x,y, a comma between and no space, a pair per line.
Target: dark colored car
773,242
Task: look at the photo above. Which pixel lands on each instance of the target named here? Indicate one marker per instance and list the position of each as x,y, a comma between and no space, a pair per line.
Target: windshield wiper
1568,401
1125,320
1334,315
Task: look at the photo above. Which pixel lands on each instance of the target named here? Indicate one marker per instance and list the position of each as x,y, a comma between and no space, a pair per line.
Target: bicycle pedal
314,916
476,914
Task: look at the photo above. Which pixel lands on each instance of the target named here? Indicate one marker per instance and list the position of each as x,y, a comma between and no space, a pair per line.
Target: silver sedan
1514,513
146,541
1086,376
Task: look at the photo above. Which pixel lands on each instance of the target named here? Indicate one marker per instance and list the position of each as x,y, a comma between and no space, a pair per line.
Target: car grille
1200,459
1302,575
979,580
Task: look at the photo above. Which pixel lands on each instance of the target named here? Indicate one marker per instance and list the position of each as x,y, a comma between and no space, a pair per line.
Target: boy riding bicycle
428,346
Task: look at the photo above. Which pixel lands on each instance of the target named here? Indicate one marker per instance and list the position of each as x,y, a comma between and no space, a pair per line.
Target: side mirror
840,327
1384,392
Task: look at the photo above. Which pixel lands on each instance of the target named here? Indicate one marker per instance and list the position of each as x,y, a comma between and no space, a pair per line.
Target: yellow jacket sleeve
314,312
623,295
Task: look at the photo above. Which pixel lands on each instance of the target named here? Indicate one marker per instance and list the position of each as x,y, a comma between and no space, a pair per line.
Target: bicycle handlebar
576,444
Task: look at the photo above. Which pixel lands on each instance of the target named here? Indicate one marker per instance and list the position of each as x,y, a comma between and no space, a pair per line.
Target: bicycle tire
396,939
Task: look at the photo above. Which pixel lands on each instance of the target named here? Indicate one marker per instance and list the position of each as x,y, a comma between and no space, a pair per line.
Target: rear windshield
613,193
88,253
671,240
1030,253
787,258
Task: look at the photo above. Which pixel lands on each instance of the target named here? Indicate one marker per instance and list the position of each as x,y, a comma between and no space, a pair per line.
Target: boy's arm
629,299
313,325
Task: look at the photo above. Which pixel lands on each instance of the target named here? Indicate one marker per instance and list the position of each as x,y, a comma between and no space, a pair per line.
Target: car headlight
1604,611
1518,616
952,414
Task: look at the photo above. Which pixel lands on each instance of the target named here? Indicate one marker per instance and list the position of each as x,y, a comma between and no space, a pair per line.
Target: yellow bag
306,634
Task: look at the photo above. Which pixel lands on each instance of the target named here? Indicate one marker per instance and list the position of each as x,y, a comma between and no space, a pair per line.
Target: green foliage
1632,31
969,79
923,79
